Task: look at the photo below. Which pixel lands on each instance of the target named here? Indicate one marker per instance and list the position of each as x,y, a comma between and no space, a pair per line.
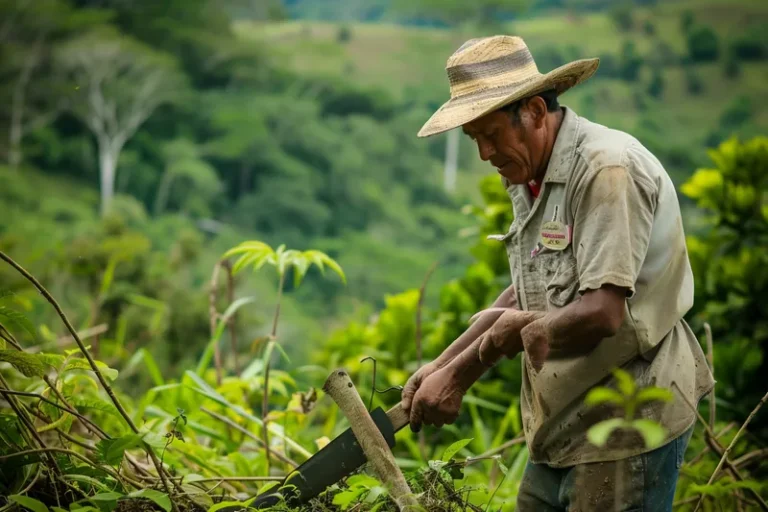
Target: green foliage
693,82
750,45
727,261
703,44
621,14
630,62
628,397
656,87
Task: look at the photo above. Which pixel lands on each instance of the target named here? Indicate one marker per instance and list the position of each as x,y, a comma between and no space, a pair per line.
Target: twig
214,316
231,321
52,449
422,290
21,413
265,399
686,501
715,445
744,459
7,336
370,439
92,363
241,479
502,447
419,306
87,423
711,360
246,432
728,451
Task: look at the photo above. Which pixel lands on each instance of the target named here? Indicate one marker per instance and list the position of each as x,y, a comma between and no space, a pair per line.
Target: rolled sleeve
612,228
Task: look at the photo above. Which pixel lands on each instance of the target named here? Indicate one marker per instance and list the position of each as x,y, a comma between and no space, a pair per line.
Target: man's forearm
467,367
507,299
579,327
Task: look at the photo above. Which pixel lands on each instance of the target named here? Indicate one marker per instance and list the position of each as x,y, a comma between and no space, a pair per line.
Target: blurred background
142,139
139,140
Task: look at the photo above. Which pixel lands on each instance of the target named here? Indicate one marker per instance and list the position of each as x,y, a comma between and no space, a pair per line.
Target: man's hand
537,338
437,401
504,337
413,384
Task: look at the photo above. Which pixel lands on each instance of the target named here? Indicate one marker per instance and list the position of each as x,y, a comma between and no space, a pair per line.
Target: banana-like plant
256,254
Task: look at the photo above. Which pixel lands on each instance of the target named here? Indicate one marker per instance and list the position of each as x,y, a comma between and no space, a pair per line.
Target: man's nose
486,150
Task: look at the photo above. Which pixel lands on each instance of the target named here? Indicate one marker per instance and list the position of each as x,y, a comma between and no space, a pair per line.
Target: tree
34,96
703,45
182,161
484,13
622,16
729,263
119,83
631,62
656,87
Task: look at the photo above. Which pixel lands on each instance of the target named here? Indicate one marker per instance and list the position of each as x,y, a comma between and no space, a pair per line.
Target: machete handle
398,416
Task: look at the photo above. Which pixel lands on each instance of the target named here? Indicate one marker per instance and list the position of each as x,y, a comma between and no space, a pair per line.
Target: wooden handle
398,416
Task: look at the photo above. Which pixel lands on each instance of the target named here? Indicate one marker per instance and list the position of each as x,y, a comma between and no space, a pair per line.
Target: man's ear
537,108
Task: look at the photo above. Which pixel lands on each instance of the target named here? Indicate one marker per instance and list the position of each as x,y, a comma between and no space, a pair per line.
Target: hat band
489,68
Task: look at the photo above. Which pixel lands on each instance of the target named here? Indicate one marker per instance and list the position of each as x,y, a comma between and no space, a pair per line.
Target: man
600,280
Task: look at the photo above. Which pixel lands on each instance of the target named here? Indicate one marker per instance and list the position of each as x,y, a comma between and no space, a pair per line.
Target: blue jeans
644,483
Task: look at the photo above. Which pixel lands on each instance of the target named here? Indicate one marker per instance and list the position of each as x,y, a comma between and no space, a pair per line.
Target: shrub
649,28
686,21
732,68
344,34
656,87
750,46
703,44
631,62
693,81
621,14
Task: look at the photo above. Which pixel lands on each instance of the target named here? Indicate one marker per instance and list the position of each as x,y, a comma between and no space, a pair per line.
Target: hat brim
464,109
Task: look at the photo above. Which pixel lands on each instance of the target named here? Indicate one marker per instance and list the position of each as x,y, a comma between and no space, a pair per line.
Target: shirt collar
564,148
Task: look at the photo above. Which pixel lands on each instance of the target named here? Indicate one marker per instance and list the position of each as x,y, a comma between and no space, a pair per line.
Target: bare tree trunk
163,191
107,169
451,161
18,104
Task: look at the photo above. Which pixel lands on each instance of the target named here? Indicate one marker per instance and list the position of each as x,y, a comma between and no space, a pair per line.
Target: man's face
510,147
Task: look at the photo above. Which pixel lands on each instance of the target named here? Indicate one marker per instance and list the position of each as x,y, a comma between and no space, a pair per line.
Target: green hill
699,103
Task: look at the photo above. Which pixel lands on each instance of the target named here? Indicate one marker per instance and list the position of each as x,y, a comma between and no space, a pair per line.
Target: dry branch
340,387
94,368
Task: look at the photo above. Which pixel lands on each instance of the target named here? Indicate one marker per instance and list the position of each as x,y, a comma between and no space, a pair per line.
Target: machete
336,460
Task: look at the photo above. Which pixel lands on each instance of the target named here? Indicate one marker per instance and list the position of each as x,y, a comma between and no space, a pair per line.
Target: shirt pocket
561,278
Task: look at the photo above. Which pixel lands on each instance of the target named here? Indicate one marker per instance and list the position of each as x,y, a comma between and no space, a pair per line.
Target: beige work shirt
621,211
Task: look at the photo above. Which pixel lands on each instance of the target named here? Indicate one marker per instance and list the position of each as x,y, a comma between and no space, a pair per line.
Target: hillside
676,123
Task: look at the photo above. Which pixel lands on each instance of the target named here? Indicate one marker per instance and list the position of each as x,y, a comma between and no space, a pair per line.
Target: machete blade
338,459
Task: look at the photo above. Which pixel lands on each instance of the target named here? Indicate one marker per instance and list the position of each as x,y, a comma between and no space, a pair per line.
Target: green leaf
650,394
106,496
53,360
87,480
502,467
15,318
454,448
625,382
94,404
602,395
81,363
58,509
300,266
160,498
111,450
653,433
599,433
28,503
225,504
362,480
28,364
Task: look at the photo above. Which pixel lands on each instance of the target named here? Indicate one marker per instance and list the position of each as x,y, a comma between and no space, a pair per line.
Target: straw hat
488,73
